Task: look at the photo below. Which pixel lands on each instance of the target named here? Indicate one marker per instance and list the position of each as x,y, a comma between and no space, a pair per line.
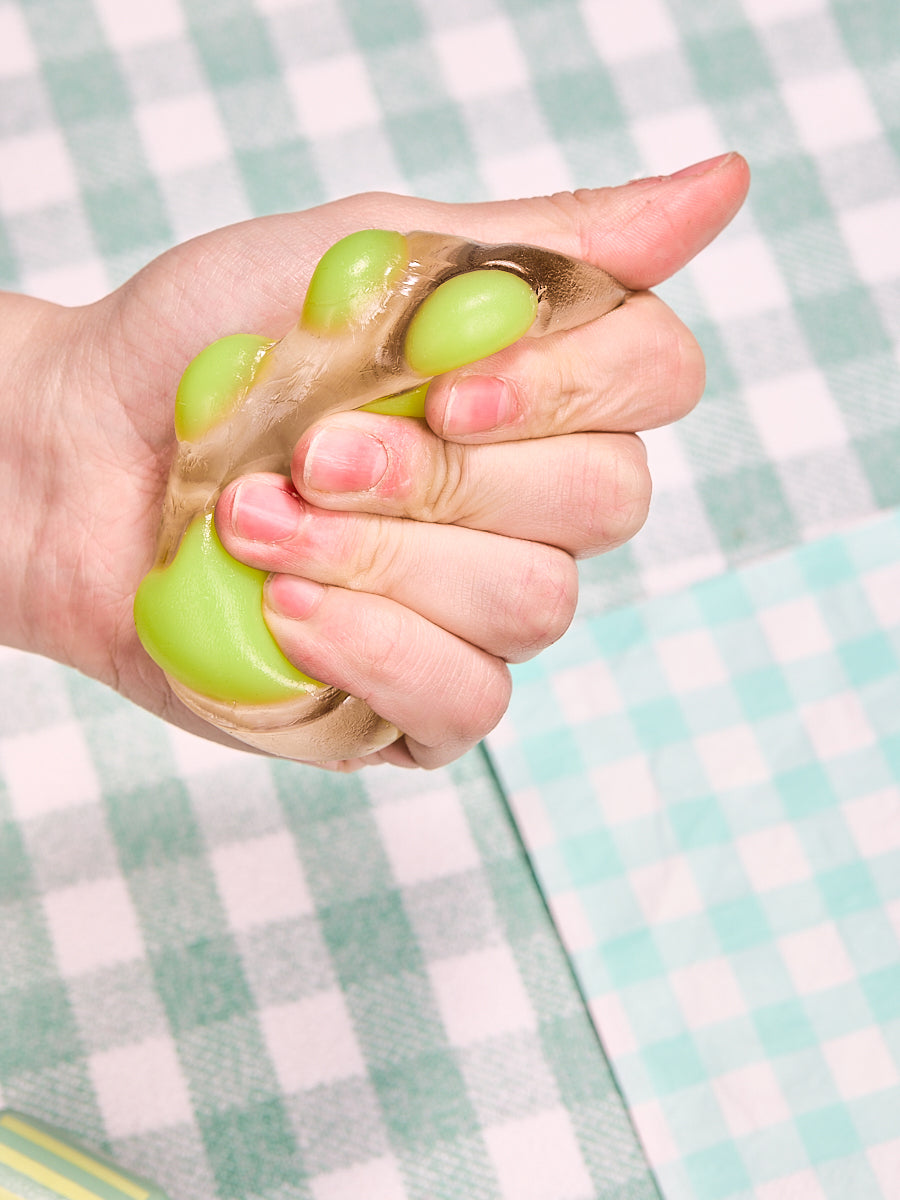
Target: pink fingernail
294,597
339,459
478,404
261,512
706,167
694,171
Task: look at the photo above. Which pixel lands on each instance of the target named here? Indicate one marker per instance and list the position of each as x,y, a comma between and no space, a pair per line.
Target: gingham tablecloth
256,982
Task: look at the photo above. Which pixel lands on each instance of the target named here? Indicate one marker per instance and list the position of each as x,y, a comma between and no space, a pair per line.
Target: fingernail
263,513
706,167
695,170
478,404
344,460
294,597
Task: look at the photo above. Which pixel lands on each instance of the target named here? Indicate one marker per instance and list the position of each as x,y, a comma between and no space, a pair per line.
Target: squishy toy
385,313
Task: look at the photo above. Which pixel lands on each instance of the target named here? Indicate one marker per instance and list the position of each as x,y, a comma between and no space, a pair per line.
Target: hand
526,462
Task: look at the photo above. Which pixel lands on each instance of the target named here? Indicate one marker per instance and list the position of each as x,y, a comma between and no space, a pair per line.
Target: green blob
467,318
214,382
352,278
200,618
404,404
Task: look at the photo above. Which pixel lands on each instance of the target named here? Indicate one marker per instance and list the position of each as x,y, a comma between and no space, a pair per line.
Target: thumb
642,232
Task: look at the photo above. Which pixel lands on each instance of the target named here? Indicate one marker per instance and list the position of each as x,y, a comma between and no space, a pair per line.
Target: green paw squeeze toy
384,314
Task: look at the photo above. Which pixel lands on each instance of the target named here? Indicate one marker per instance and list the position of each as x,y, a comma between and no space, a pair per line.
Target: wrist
33,471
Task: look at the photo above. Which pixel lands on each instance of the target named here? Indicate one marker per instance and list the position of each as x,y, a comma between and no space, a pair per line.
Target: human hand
417,617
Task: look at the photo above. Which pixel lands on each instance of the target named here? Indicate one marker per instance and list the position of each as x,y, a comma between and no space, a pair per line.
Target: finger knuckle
678,368
546,597
621,500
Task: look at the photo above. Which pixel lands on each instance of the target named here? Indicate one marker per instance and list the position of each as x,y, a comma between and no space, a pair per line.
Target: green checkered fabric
246,979
255,982
709,787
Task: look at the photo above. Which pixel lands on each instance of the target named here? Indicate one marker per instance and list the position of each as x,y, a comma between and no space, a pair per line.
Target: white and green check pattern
260,983
708,784
247,979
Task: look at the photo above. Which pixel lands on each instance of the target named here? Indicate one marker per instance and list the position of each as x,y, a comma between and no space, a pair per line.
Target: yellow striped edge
58,1184
76,1157
5,1195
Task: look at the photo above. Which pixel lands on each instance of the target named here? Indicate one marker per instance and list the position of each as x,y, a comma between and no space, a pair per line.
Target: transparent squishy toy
384,314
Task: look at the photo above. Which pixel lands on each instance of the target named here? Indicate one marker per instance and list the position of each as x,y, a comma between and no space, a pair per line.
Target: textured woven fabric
256,980
709,787
175,923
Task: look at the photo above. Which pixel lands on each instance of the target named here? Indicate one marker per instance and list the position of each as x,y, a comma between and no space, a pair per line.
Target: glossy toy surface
40,1162
384,314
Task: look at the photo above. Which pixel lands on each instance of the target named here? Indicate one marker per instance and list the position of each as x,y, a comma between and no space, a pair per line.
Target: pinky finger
443,693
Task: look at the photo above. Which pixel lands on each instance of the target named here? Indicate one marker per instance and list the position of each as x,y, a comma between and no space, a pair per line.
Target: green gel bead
200,618
467,318
214,382
404,404
353,276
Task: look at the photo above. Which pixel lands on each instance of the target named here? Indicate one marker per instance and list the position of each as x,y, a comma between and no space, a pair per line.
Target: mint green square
370,938
882,992
674,1064
253,1153
722,601
557,45
37,1028
632,958
591,857
9,274
153,825
828,1133
879,456
730,64
424,1100
784,1028
659,723
386,23
848,889
699,822
843,326
202,983
84,88
867,659
234,48
395,1017
741,924
748,509
280,178
343,858
307,794
717,1172
128,216
554,755
578,102
431,138
519,906
15,870
763,692
787,193
805,790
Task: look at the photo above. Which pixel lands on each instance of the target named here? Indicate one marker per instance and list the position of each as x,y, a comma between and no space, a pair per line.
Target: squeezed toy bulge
384,314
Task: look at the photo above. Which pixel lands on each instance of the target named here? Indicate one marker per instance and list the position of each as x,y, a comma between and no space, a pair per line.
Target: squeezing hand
385,313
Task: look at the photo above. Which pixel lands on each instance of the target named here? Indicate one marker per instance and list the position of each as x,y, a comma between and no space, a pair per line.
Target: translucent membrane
384,314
